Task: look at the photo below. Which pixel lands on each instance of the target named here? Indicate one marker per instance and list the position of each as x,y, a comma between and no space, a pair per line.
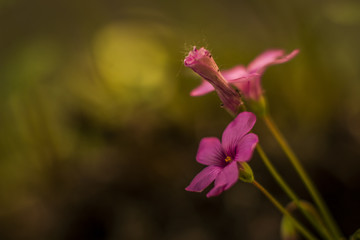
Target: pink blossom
223,159
201,62
248,79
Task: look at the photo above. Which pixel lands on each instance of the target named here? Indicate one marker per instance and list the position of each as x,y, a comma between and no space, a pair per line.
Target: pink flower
248,79
223,159
201,62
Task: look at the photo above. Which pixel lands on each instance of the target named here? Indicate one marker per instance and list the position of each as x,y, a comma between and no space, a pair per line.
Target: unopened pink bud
201,62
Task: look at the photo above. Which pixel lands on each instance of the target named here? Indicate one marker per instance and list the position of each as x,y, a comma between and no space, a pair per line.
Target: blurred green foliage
99,133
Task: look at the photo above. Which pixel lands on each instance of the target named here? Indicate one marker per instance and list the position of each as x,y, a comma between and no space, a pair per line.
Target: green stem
304,177
297,224
319,227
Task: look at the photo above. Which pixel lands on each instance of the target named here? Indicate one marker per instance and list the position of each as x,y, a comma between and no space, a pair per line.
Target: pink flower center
189,60
195,55
228,159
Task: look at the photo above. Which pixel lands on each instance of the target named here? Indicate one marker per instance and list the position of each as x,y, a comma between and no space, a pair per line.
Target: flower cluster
226,160
223,159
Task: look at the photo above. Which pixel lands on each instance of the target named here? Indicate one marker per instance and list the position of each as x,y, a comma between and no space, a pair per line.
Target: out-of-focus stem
304,177
297,224
321,229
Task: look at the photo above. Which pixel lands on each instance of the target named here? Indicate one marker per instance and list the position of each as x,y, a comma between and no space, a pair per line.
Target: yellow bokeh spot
132,61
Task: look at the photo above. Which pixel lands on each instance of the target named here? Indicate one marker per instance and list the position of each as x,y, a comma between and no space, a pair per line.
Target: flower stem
297,224
304,177
319,227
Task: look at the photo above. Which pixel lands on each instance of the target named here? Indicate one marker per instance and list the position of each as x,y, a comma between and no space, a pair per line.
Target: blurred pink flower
201,62
223,159
248,79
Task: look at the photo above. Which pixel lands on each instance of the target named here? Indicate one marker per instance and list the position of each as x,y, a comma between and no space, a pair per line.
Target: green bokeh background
99,133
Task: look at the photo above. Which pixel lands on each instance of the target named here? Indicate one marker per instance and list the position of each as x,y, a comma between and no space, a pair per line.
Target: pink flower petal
287,57
226,179
234,132
210,152
216,191
245,147
203,179
234,73
204,88
249,77
251,88
265,59
270,57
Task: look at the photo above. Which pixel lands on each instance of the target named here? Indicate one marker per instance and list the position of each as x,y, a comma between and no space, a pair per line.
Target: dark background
99,133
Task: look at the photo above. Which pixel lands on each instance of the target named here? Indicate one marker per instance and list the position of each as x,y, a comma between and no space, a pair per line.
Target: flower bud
287,229
201,62
246,173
